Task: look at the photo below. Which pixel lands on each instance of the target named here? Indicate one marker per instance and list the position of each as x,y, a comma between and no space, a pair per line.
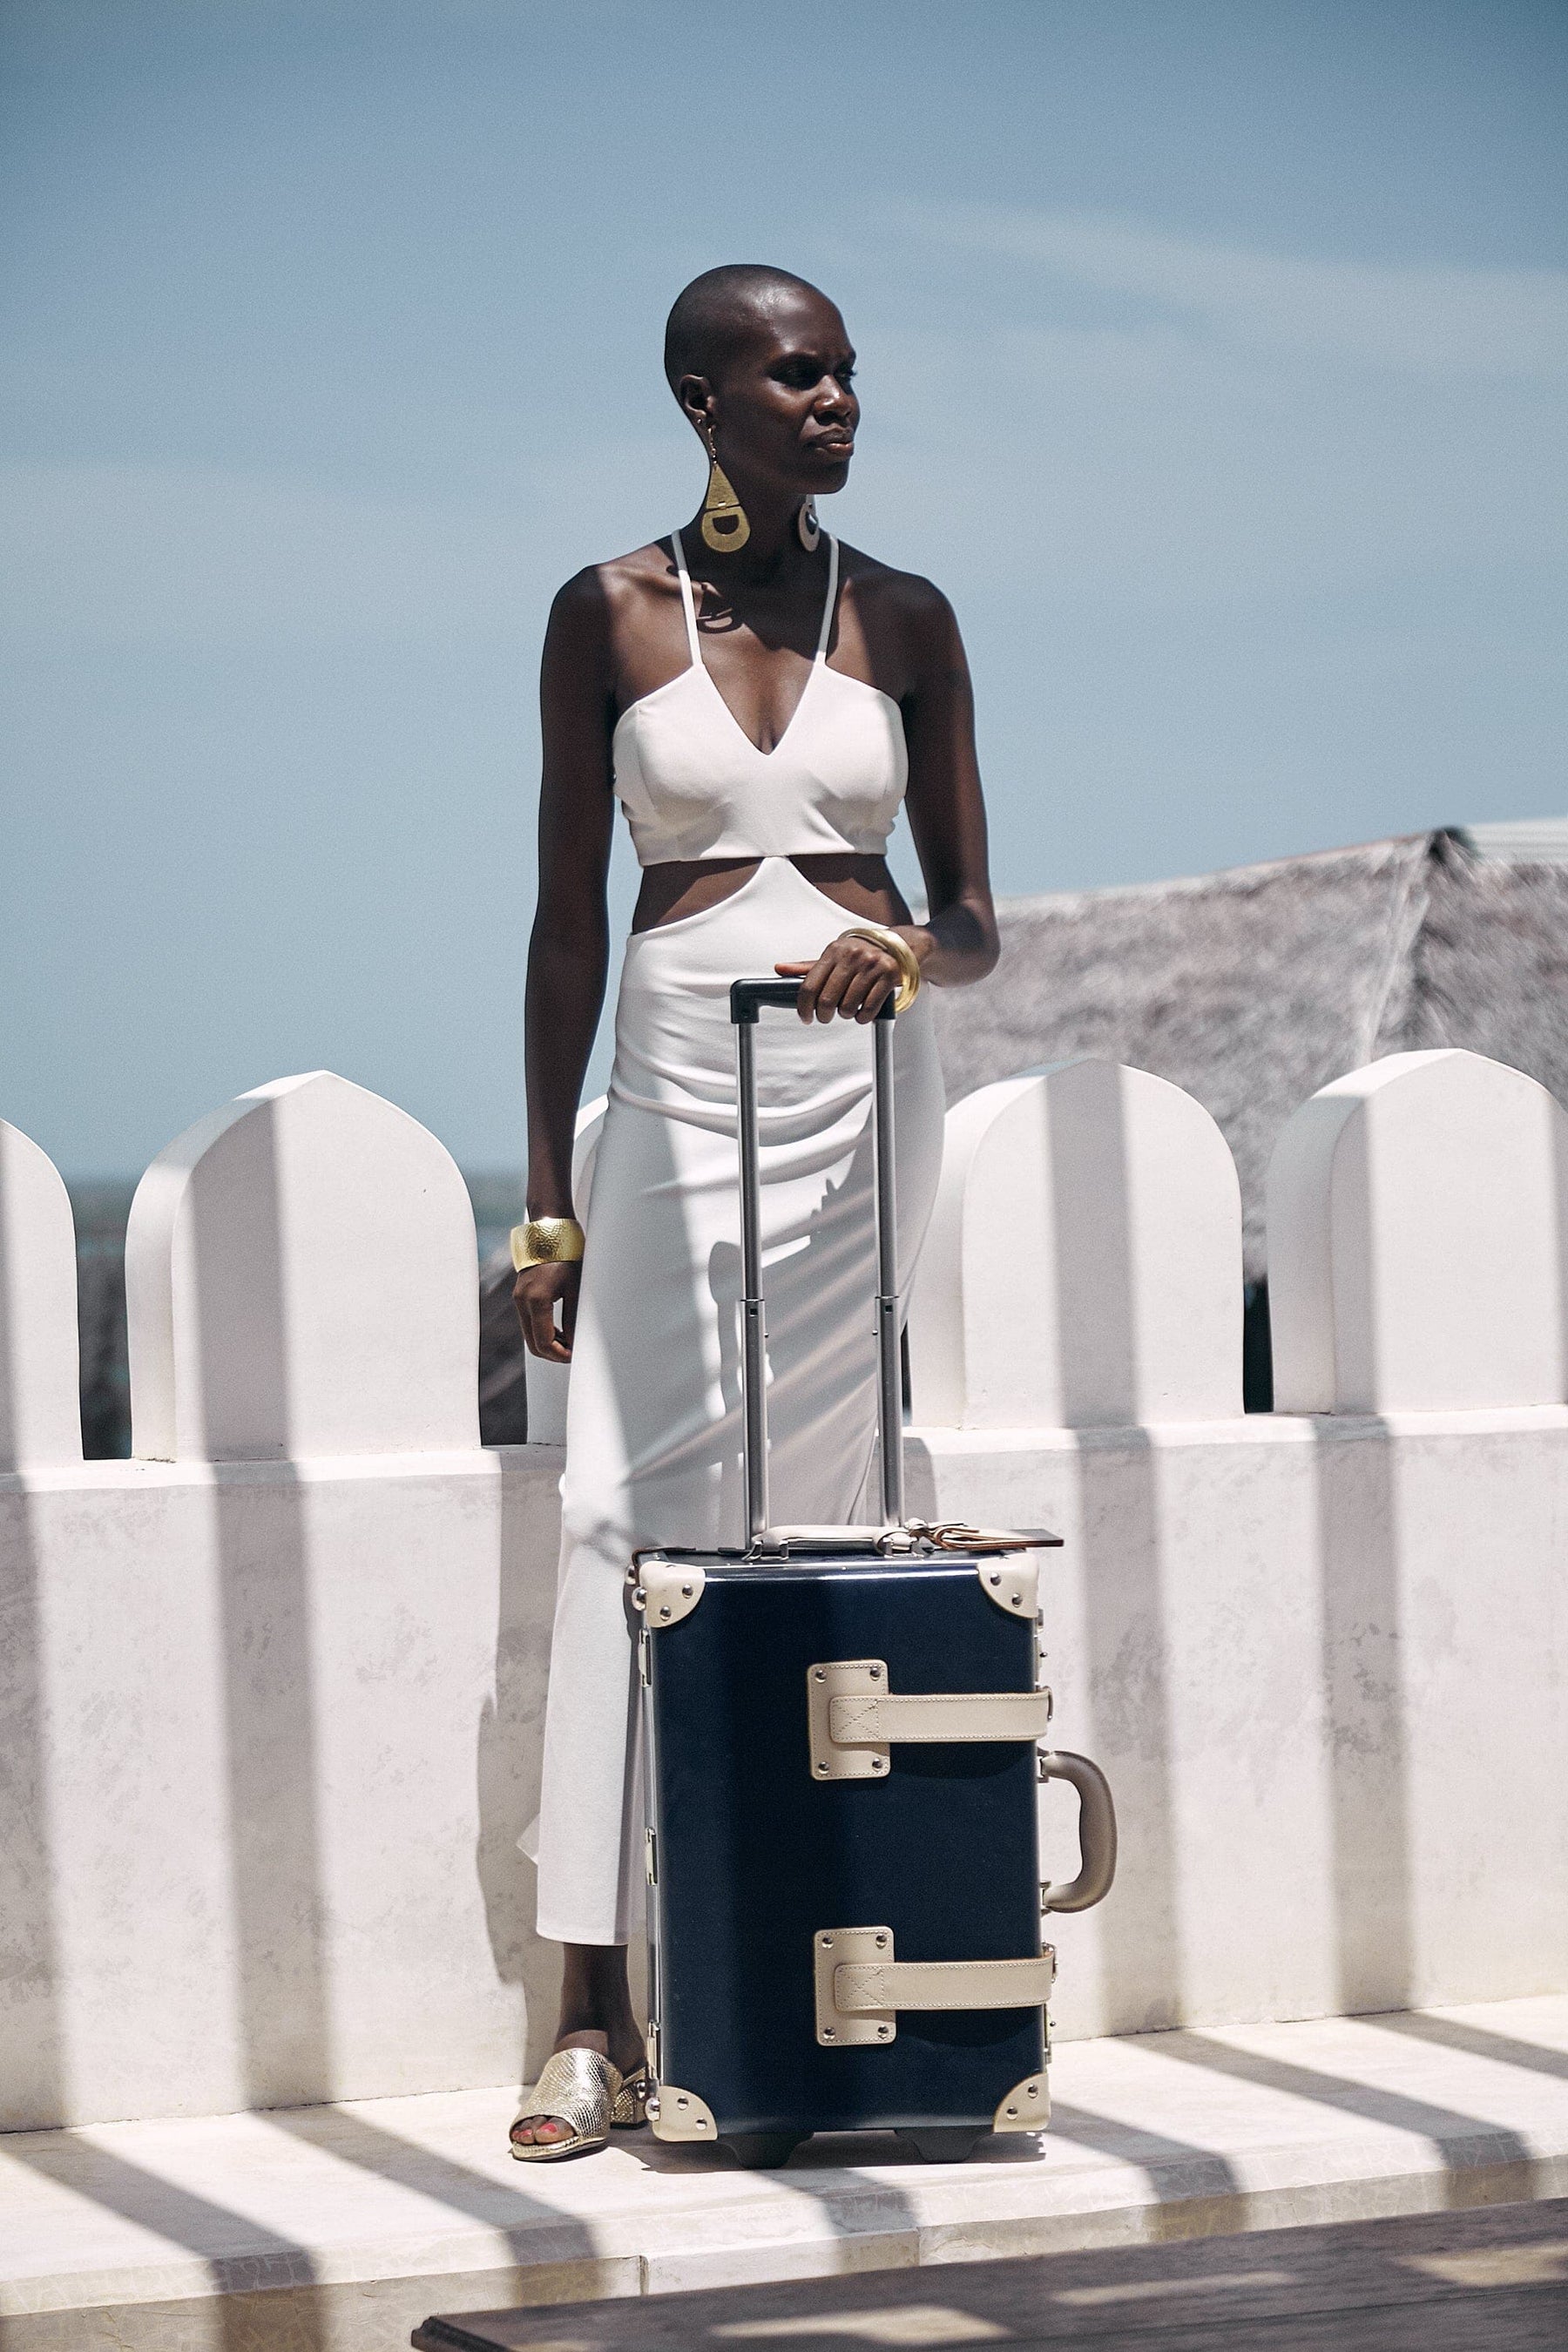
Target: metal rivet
821,1766
683,2101
1016,1598
995,1578
881,1943
879,1763
882,2032
1032,2093
664,1612
1012,2111
827,2034
686,1592
876,1674
639,1598
701,2123
828,1943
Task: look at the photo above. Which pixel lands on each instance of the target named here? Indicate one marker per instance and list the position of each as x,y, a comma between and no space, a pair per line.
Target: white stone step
337,2228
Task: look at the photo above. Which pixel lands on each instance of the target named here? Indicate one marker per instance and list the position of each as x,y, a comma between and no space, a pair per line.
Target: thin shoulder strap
832,598
692,640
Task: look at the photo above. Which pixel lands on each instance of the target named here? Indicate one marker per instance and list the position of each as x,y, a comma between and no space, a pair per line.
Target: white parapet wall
270,1703
1323,1658
270,1694
1324,1663
40,1417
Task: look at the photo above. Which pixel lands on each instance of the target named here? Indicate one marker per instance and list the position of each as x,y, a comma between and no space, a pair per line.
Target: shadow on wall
30,1954
1358,1540
1414,1207
1121,1546
511,1727
268,1685
29,1961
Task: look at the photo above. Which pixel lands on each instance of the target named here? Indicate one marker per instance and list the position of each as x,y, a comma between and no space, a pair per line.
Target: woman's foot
597,2015
628,2092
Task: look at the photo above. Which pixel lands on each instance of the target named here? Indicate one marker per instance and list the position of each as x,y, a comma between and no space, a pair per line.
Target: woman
760,700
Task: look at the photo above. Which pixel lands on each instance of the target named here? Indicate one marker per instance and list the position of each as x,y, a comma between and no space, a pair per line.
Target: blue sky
1215,360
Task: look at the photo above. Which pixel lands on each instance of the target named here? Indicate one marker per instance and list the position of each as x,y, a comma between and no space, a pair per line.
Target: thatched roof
1254,988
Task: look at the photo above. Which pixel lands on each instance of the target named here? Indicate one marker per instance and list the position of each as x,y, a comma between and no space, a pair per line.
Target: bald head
711,319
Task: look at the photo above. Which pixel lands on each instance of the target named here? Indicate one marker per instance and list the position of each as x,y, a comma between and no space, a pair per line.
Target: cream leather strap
860,1984
939,1717
942,1984
855,1720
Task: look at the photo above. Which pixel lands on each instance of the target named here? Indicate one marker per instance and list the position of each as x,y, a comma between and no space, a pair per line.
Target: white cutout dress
653,1427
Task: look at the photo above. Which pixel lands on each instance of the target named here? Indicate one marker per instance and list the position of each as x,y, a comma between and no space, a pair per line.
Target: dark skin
782,415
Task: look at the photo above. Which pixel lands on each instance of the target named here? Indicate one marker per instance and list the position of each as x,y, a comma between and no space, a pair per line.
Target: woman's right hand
536,1294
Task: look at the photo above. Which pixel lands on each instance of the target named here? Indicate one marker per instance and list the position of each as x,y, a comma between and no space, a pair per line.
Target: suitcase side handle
1096,1831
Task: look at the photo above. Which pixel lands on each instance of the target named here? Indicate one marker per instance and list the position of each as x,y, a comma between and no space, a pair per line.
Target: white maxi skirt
653,1416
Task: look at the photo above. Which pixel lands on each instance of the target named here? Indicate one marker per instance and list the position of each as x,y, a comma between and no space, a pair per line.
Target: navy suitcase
841,1741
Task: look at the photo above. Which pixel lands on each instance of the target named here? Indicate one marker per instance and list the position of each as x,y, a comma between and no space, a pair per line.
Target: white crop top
693,784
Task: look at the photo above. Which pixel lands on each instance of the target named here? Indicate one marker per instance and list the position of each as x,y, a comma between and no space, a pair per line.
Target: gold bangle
546,1240
908,964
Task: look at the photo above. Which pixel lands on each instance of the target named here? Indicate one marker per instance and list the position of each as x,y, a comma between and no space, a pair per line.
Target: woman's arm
568,953
957,942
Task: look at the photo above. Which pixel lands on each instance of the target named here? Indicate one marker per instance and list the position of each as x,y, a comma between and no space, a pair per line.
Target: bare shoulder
591,614
602,599
624,581
904,606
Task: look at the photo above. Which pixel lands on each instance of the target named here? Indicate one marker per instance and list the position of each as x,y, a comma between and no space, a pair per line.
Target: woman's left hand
849,980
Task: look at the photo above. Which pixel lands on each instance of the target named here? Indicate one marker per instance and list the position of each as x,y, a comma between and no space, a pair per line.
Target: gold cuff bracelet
908,964
546,1240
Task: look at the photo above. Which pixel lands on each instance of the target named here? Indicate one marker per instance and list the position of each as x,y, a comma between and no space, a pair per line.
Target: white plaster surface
1083,1264
40,1415
1418,1240
1324,1664
301,1281
148,2236
271,1731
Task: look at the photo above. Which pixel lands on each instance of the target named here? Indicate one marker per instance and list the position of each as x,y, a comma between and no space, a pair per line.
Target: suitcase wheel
943,2144
762,2151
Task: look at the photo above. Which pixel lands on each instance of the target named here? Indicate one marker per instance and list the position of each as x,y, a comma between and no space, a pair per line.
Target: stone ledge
337,2228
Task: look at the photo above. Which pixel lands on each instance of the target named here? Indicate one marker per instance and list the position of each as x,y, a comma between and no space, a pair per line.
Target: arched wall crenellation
299,1267
301,1281
1418,1240
1083,1265
40,1415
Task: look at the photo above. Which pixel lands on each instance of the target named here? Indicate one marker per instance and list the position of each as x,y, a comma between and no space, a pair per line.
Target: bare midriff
861,885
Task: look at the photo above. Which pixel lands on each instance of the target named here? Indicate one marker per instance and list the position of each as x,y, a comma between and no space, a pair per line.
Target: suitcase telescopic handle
747,998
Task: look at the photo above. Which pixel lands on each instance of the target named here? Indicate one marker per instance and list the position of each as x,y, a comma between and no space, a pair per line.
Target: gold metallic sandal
579,2087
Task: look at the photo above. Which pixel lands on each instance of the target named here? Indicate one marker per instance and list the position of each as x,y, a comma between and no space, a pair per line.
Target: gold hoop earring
725,524
810,530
